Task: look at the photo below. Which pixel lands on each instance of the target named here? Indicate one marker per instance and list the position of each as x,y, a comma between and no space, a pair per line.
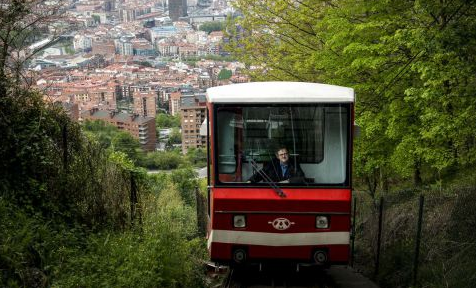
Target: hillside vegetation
75,209
73,213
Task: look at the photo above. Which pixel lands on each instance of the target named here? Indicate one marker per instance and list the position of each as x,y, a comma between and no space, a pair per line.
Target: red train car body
303,219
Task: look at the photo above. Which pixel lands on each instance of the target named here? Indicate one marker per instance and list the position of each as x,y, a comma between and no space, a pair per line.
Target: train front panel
256,225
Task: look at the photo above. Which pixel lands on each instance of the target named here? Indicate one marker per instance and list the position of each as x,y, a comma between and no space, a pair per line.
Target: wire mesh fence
416,238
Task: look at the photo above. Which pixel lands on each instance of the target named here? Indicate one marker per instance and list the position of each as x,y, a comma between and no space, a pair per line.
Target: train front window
316,137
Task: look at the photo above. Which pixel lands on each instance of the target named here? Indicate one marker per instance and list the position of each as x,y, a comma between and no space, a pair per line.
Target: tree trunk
417,175
372,182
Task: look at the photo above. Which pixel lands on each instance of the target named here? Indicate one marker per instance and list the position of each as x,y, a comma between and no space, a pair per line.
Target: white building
161,32
198,37
82,42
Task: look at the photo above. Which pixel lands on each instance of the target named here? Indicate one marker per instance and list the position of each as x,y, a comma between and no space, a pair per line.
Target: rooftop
124,117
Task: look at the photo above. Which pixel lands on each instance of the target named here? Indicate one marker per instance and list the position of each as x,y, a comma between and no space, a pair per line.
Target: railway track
277,277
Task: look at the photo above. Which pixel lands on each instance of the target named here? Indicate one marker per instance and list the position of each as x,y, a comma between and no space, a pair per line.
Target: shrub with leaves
163,253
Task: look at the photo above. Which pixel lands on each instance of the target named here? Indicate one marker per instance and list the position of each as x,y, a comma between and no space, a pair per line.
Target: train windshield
302,145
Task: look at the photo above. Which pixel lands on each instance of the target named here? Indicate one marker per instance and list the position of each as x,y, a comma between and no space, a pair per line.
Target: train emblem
281,223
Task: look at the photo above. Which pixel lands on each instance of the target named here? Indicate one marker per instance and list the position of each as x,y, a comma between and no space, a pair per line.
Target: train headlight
322,222
239,221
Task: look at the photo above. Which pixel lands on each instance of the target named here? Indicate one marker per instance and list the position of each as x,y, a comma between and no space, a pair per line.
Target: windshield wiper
268,180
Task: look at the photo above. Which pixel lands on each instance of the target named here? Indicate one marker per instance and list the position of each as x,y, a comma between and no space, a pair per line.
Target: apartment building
145,103
174,102
193,111
177,9
104,47
87,93
141,128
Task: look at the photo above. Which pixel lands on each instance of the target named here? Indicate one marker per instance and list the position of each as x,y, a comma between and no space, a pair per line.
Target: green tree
101,131
163,120
411,64
20,22
97,18
197,157
164,160
175,137
186,183
67,204
224,74
124,142
212,26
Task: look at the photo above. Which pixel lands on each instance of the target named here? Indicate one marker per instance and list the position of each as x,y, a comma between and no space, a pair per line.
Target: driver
280,169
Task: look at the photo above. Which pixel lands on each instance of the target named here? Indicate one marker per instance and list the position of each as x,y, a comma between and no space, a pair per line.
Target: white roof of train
279,92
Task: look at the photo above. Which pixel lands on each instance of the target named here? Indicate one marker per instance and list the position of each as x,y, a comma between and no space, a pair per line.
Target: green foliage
69,50
49,195
163,160
197,157
109,137
100,131
410,63
145,64
73,211
224,74
212,26
20,234
175,137
97,18
186,182
192,59
167,121
124,142
33,149
163,254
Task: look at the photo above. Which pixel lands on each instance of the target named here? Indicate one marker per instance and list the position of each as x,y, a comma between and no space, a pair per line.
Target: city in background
124,61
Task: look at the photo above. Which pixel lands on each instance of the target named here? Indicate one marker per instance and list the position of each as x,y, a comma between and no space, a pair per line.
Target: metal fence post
65,146
201,225
353,234
133,198
379,237
418,240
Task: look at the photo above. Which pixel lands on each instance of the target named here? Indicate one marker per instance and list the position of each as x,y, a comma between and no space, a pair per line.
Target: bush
33,248
165,253
163,160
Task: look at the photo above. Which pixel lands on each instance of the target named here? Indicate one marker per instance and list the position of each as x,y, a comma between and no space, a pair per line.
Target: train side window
226,142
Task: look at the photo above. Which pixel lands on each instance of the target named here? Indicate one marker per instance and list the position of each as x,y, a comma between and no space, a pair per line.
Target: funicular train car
255,214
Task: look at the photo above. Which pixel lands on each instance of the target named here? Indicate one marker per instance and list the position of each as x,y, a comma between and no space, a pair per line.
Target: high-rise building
109,5
174,102
145,103
177,9
193,111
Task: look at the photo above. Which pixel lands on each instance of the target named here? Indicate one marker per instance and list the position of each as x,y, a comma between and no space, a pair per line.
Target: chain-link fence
417,239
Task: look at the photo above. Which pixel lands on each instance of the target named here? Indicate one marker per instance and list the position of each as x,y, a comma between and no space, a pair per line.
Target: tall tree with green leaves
21,21
410,63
